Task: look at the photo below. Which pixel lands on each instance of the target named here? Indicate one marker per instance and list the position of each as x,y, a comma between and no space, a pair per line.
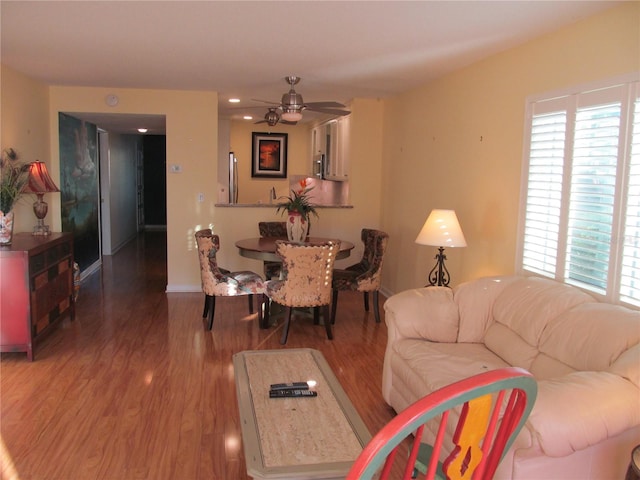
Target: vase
297,227
6,227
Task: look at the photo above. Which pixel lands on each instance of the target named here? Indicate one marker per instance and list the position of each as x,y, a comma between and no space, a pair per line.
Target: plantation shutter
544,187
630,272
580,209
593,190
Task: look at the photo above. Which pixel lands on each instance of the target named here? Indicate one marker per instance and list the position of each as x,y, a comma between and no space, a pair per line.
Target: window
580,211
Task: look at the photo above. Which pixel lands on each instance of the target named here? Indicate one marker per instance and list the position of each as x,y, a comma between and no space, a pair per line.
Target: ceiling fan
292,104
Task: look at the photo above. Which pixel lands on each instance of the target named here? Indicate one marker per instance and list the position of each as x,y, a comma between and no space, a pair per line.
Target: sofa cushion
581,409
627,365
545,367
526,307
591,336
438,322
428,366
475,304
509,346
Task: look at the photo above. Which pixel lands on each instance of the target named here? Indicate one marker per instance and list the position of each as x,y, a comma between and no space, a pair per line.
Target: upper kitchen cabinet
330,149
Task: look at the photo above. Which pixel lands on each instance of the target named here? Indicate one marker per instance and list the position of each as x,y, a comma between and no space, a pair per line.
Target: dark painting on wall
269,155
79,187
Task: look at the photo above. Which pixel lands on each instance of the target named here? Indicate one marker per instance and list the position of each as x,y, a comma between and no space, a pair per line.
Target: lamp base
439,275
41,230
40,208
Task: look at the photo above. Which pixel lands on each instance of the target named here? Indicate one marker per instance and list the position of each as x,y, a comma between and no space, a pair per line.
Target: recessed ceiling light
248,117
143,130
234,100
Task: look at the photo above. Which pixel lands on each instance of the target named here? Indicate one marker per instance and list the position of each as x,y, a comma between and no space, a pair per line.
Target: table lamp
40,183
441,230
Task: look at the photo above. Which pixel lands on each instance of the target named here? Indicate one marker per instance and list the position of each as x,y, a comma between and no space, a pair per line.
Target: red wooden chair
491,408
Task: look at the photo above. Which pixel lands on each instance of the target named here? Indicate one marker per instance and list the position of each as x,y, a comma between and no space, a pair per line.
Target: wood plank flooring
137,388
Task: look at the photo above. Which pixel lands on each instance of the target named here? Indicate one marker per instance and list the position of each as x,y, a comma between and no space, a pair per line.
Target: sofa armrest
581,409
424,313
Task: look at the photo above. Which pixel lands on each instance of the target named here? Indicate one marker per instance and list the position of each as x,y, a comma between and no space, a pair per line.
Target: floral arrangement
298,201
13,177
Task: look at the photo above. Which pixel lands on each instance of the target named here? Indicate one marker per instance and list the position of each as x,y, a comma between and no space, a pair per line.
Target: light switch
175,168
201,197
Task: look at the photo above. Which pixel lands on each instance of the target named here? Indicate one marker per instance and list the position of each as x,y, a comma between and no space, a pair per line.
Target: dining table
264,248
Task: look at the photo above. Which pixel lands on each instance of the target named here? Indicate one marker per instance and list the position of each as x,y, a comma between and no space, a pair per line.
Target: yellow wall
253,189
191,123
24,124
457,143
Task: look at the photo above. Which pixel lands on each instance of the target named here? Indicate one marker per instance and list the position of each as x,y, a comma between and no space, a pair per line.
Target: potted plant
299,209
13,177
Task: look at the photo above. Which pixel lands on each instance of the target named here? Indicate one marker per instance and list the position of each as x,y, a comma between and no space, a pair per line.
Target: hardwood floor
137,388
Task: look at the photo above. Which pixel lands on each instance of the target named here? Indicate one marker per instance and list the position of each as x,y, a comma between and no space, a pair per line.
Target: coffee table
302,438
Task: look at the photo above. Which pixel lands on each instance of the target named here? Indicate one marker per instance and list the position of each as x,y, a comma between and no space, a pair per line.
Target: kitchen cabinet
36,288
319,140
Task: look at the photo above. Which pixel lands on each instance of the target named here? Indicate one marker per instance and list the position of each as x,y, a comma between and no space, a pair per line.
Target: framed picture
269,155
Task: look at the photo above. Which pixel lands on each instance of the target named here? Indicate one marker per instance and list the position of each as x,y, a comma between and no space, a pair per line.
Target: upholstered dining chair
218,282
306,281
460,431
364,276
272,229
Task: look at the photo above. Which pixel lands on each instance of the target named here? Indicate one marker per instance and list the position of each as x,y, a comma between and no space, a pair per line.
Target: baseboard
183,288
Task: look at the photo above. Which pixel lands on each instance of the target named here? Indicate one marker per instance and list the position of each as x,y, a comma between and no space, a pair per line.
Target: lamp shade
442,229
39,179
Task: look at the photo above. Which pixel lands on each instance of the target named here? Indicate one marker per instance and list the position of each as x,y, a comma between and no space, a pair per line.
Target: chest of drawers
36,288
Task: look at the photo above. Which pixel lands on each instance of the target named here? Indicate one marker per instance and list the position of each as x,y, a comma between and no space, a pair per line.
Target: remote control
292,393
290,386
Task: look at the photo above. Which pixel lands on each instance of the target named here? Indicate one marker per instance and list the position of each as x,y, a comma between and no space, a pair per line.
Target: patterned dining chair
306,281
272,229
364,276
218,282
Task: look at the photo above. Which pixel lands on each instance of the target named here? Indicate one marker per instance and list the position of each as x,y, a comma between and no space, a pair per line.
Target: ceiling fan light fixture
292,116
272,117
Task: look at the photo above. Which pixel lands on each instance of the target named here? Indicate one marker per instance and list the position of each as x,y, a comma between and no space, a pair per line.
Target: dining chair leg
265,303
327,323
334,305
260,302
206,306
250,303
285,330
316,315
376,306
211,308
366,301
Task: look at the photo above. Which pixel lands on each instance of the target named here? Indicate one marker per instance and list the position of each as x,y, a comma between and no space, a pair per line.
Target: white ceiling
341,49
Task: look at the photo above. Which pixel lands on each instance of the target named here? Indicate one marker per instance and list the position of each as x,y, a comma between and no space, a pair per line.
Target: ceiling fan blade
277,104
330,111
287,122
311,105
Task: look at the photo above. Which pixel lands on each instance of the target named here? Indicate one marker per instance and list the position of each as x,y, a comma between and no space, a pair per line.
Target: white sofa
584,354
